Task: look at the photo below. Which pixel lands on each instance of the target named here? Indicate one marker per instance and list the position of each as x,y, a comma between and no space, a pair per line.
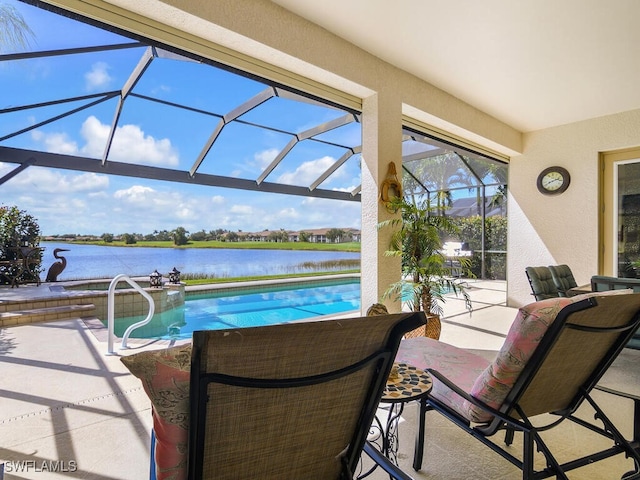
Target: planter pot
431,329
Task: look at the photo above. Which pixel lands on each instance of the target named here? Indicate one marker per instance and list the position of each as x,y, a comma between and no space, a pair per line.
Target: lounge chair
563,278
542,368
284,401
541,281
602,283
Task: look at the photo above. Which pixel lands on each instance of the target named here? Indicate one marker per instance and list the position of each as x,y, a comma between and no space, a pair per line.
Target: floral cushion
165,379
528,328
459,365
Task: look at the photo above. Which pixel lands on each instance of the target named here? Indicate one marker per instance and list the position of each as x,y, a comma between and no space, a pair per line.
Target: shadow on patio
66,406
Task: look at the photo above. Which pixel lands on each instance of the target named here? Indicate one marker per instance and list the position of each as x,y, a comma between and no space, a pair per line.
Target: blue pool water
248,308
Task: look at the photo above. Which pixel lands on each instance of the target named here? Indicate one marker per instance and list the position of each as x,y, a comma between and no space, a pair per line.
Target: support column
381,144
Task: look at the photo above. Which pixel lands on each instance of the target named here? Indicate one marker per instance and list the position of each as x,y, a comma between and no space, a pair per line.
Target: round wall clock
553,180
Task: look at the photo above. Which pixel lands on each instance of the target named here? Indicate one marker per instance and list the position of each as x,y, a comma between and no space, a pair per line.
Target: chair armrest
384,463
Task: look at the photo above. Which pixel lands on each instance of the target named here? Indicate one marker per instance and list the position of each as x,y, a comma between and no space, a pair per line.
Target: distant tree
14,31
335,235
278,236
129,238
304,236
18,229
164,236
232,237
107,237
217,234
180,236
198,236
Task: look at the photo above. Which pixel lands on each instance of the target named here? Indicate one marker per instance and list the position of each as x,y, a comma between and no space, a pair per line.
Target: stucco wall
549,230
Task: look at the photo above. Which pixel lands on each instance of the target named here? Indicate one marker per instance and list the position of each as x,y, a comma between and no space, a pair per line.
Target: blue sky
154,134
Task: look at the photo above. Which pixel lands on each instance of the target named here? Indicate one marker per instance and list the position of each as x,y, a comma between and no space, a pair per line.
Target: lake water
94,261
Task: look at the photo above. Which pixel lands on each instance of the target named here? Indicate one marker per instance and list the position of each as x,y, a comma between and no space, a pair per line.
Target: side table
405,384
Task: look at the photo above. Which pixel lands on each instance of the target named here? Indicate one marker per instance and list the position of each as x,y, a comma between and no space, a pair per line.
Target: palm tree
437,174
14,31
417,240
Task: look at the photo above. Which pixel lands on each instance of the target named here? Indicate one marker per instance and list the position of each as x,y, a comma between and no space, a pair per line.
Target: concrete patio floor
67,405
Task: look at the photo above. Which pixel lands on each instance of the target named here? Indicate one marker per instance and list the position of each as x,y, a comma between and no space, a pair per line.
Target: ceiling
532,64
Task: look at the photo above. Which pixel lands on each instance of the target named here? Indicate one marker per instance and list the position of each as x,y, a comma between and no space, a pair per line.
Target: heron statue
56,268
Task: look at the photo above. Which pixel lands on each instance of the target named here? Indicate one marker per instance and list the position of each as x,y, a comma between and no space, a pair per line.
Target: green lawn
334,247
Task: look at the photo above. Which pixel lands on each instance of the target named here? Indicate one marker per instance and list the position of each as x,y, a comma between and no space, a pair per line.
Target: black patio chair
541,371
541,281
562,278
602,283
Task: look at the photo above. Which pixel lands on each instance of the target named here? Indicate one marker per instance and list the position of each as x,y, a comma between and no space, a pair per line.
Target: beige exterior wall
549,230
263,38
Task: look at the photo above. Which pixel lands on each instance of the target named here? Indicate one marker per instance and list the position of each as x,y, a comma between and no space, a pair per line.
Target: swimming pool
248,307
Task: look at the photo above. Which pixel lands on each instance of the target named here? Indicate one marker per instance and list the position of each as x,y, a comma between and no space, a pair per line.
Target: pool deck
63,402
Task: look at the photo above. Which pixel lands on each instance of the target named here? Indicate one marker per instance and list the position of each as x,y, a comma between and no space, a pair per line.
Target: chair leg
508,435
419,448
152,462
527,456
632,475
635,474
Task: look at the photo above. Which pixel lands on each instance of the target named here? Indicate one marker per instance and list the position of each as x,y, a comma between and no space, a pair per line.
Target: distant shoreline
327,247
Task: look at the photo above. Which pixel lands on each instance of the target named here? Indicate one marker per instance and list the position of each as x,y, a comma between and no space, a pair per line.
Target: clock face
553,180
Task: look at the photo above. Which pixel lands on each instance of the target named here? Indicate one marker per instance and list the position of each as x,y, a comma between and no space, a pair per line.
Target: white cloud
241,210
322,212
148,209
98,77
56,142
130,144
162,203
307,172
35,181
264,158
349,189
288,213
88,182
137,194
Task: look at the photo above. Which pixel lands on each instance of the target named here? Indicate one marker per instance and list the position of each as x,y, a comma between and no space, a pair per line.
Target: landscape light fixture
155,279
174,276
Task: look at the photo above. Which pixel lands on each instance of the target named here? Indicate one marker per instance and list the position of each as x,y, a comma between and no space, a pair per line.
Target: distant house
319,235
469,207
315,235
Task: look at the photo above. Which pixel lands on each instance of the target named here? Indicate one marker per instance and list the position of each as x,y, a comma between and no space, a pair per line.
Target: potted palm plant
427,274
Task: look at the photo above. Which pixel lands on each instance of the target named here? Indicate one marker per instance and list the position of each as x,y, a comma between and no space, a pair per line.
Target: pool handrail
111,309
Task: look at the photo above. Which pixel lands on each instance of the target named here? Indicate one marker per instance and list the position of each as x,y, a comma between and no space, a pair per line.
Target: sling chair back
289,401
